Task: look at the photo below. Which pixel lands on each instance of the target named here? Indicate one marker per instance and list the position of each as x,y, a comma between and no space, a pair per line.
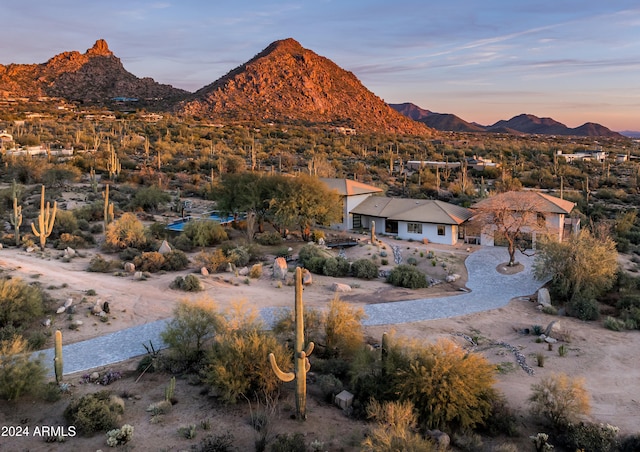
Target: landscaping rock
60,310
307,279
69,252
280,268
344,399
97,309
453,277
164,248
340,288
553,329
544,298
204,271
138,275
68,303
244,271
129,267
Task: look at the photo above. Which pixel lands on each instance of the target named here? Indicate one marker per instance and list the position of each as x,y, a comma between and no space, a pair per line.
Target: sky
575,61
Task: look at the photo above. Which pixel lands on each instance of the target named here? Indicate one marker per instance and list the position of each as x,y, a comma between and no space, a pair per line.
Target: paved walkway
489,289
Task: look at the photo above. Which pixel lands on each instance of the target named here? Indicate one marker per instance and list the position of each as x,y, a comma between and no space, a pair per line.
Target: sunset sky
574,61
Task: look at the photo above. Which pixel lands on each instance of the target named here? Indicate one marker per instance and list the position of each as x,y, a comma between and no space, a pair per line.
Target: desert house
352,193
530,213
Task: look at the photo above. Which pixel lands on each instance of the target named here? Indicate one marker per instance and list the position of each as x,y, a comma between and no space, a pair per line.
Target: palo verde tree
513,217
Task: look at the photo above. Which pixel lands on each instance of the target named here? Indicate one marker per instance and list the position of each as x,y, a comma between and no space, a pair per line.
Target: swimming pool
178,226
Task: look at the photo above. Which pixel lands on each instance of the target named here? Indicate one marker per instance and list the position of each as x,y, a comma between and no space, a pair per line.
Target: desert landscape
604,358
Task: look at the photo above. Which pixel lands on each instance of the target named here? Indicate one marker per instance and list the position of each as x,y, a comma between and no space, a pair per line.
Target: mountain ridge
520,124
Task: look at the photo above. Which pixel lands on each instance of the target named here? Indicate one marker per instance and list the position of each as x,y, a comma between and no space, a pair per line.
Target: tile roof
414,210
531,200
348,187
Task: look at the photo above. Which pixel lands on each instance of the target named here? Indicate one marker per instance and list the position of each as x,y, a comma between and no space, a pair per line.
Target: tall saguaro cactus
301,362
108,208
45,221
57,360
16,220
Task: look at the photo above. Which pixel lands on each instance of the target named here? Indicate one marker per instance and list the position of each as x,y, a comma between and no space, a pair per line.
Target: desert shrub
407,276
335,267
98,412
589,437
214,261
158,231
192,323
119,436
412,261
90,212
343,328
129,254
307,253
613,324
97,228
560,399
502,420
238,364
316,235
175,260
467,441
329,386
256,271
65,222
395,429
216,443
126,231
19,375
204,233
183,243
189,283
77,240
285,442
630,443
584,308
269,238
364,269
151,261
20,302
316,265
99,264
450,388
284,325
238,256
149,198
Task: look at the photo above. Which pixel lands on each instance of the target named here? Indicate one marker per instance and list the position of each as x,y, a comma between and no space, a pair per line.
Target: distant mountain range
284,83
521,124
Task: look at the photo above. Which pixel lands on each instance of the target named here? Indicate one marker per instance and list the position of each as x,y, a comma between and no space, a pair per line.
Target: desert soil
605,359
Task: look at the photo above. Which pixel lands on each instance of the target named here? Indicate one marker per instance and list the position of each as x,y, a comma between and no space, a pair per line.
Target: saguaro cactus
16,220
301,362
45,221
108,208
57,360
373,233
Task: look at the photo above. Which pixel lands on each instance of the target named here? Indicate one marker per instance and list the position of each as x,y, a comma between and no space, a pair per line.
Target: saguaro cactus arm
284,376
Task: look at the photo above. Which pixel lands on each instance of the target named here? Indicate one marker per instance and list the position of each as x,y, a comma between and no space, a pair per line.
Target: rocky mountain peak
100,48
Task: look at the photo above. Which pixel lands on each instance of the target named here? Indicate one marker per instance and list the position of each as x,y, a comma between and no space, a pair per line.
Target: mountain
518,125
94,77
288,83
438,121
631,133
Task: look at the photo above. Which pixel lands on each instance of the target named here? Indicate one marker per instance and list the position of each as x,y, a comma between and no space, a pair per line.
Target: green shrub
98,412
309,252
407,276
316,265
584,308
192,323
20,302
149,198
256,271
151,261
175,260
238,256
183,243
216,443
214,261
335,267
19,375
589,437
190,283
294,442
412,261
502,420
270,238
630,443
329,386
204,233
99,264
613,324
316,235
119,436
364,269
343,329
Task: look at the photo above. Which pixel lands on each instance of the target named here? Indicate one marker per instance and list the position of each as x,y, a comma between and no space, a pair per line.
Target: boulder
69,252
280,268
60,310
453,277
138,275
307,279
344,399
46,323
68,303
321,242
129,267
553,329
95,376
97,308
164,248
77,323
340,287
231,268
204,271
244,271
544,298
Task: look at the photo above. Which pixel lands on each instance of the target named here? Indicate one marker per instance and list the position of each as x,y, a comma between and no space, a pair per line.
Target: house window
414,228
357,221
391,227
441,229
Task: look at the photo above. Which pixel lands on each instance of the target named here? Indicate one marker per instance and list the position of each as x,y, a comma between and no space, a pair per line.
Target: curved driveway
489,289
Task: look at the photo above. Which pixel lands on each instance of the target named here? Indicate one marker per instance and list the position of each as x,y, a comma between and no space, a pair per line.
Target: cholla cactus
45,221
301,362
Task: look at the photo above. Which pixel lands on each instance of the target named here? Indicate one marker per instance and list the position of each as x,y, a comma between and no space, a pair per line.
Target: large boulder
164,247
544,298
340,288
129,267
307,279
280,268
554,329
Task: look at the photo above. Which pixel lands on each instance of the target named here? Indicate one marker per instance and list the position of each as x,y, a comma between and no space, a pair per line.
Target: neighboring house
352,193
417,219
597,155
530,213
